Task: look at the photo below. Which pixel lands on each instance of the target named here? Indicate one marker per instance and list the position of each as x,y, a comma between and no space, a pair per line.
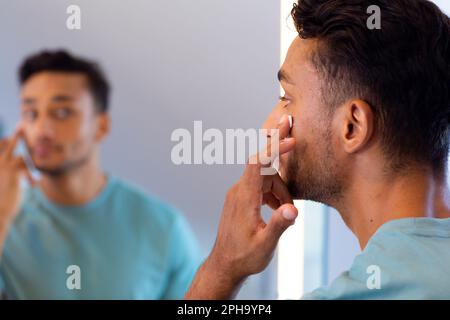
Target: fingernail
289,214
290,121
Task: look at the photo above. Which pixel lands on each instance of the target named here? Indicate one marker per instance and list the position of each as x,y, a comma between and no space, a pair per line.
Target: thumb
281,219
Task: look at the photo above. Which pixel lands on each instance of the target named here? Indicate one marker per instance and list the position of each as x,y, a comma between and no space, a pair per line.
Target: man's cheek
284,160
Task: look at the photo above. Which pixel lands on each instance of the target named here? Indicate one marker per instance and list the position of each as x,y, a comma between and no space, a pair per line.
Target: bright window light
444,5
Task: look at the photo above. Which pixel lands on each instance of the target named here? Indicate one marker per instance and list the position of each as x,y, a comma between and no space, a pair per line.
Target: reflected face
312,170
60,121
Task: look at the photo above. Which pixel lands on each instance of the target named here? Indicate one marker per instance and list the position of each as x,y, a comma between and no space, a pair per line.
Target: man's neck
374,200
75,187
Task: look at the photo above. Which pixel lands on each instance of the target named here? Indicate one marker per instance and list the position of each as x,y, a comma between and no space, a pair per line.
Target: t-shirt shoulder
401,253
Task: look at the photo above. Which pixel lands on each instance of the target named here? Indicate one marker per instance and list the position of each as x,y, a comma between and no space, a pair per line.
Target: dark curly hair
402,70
63,61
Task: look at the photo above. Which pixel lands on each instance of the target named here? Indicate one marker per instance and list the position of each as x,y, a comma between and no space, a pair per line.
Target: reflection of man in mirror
124,243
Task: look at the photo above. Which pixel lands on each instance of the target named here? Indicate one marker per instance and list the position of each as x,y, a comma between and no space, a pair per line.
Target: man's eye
29,115
284,99
62,113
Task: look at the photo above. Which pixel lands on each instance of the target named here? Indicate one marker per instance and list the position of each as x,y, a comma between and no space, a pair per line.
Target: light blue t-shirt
405,259
122,245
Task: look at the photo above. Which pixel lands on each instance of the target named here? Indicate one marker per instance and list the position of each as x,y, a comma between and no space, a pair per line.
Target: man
80,233
371,112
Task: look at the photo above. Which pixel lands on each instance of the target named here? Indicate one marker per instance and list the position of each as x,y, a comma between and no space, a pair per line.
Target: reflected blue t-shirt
405,259
122,245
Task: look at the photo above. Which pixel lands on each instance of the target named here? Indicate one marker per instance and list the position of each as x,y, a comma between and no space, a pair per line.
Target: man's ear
357,125
103,126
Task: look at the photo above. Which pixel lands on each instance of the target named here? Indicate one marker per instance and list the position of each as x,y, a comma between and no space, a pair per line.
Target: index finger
284,126
252,172
265,158
13,143
277,136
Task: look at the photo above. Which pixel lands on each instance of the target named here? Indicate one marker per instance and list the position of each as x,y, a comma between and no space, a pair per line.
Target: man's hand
11,169
245,243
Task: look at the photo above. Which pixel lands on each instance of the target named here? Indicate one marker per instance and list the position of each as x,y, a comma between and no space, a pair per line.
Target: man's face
312,171
61,125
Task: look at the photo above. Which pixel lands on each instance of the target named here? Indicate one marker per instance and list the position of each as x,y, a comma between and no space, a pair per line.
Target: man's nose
43,126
